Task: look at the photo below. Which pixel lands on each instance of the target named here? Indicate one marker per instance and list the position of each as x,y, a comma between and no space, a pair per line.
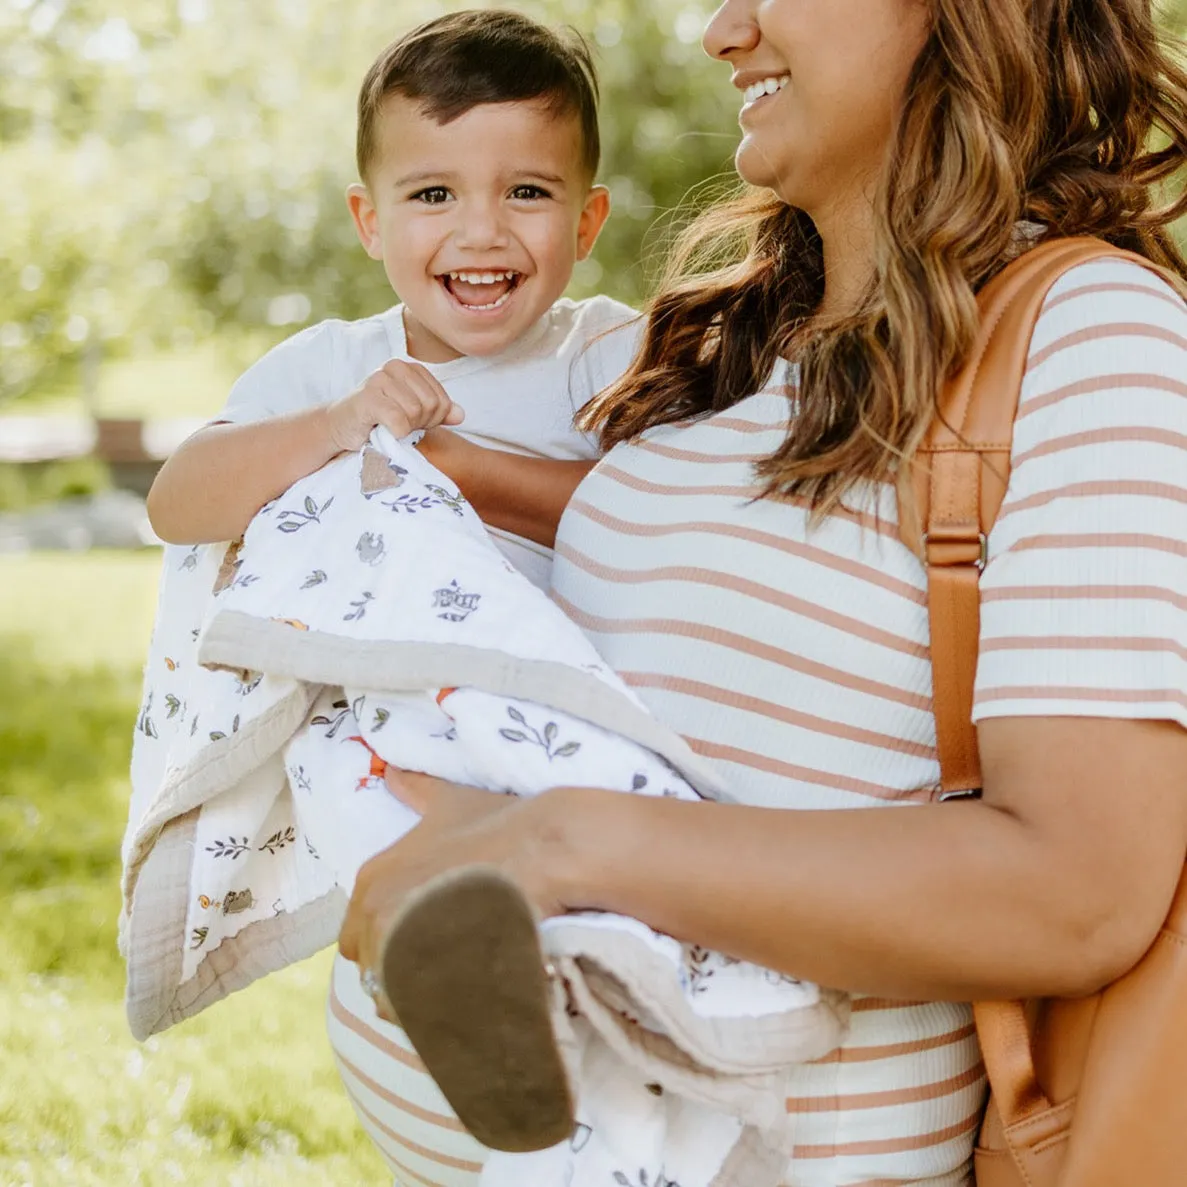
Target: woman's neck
847,233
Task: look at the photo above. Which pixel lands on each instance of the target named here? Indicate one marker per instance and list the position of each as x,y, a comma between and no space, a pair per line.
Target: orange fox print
378,768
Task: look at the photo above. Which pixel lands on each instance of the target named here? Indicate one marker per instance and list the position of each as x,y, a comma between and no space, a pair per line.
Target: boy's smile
478,221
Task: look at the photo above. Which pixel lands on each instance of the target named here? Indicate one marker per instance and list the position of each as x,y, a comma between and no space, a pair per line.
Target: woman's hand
460,826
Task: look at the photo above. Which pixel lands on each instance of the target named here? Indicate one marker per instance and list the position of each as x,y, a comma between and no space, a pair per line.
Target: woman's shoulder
1112,321
1110,347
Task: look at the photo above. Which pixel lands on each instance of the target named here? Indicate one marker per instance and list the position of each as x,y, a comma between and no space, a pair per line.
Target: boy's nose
481,227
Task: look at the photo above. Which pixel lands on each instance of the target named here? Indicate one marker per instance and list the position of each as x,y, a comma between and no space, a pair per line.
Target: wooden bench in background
133,450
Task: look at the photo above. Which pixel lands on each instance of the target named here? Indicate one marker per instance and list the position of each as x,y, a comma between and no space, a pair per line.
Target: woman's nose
731,30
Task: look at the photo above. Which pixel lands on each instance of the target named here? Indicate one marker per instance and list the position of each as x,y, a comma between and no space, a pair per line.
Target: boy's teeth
766,86
481,277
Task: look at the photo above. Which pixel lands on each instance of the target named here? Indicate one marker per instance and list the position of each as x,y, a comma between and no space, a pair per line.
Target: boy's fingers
455,415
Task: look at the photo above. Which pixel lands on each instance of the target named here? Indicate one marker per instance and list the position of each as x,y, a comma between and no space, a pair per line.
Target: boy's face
478,222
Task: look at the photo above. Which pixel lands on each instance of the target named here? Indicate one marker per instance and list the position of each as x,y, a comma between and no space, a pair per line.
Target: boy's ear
593,219
366,219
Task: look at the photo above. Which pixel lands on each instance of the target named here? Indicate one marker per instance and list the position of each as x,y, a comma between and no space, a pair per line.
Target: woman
901,151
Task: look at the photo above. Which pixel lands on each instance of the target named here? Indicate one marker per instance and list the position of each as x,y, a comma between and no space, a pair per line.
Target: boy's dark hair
456,62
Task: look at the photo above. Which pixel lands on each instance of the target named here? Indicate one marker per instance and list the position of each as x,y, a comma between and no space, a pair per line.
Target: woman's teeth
767,86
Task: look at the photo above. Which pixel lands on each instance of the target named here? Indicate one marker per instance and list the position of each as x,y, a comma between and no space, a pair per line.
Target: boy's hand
400,396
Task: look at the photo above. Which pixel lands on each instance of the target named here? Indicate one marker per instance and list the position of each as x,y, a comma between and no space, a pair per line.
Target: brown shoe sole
463,971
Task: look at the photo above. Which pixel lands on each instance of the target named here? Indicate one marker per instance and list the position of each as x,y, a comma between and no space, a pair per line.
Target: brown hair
457,62
1070,113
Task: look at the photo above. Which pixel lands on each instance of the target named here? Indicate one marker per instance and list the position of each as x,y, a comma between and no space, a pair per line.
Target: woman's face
822,82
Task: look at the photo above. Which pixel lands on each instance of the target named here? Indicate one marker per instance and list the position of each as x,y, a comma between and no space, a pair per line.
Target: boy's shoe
463,970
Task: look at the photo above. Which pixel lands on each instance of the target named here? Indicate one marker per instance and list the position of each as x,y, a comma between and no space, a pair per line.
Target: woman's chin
756,168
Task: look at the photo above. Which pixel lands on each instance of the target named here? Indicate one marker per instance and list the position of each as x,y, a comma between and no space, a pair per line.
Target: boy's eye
529,193
433,196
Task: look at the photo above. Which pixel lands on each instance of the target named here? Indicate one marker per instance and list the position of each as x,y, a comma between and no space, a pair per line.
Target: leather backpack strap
959,480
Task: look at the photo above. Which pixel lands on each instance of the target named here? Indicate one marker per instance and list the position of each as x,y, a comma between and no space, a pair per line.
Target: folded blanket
367,618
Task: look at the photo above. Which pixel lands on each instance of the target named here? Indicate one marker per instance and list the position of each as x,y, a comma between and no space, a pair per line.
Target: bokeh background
171,179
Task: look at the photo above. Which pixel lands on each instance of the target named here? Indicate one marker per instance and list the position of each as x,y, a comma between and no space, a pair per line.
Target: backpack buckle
948,550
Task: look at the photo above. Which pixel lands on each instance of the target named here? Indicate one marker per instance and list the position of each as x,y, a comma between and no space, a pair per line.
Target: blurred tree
173,170
178,170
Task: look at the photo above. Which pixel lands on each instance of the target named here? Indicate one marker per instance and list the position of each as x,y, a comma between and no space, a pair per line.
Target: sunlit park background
171,178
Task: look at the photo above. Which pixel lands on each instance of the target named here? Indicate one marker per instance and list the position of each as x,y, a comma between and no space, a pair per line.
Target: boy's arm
214,482
217,480
522,495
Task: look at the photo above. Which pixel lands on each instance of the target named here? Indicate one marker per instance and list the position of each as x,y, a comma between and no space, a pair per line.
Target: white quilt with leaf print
367,618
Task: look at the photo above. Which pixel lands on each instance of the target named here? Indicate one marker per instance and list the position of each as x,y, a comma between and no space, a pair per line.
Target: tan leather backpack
1089,1092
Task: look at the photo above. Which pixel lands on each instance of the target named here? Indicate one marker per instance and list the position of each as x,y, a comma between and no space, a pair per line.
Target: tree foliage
176,171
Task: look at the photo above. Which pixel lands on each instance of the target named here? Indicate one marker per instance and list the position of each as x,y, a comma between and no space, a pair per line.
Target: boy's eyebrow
536,175
424,175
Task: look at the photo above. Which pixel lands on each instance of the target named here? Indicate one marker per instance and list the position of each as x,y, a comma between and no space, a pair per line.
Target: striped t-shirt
797,660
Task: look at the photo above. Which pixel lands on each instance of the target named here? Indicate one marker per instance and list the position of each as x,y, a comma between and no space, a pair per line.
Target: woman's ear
593,218
366,219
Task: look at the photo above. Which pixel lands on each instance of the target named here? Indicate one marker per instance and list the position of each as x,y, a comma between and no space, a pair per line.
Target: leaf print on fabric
382,717
232,847
312,851
580,1138
173,704
300,778
454,603
342,711
455,500
190,561
246,687
370,548
413,503
219,735
702,964
293,520
535,737
278,840
144,722
317,577
660,1180
360,607
198,937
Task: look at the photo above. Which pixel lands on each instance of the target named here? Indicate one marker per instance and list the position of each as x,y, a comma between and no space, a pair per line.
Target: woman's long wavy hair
1069,113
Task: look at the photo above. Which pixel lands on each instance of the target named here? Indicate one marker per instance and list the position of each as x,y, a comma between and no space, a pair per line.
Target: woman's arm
1053,884
522,495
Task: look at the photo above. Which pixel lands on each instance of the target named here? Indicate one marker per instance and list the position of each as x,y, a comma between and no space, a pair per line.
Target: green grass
246,1093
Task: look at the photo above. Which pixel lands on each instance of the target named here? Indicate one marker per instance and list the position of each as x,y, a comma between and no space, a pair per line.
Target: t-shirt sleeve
612,334
296,375
1084,597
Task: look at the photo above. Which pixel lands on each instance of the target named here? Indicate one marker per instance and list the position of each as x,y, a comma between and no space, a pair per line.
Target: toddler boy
477,150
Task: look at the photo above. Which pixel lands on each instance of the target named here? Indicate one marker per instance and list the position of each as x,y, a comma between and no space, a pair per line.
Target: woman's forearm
922,911
522,495
215,482
1055,884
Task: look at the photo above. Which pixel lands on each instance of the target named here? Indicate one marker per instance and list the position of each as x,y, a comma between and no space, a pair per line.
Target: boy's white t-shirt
522,401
